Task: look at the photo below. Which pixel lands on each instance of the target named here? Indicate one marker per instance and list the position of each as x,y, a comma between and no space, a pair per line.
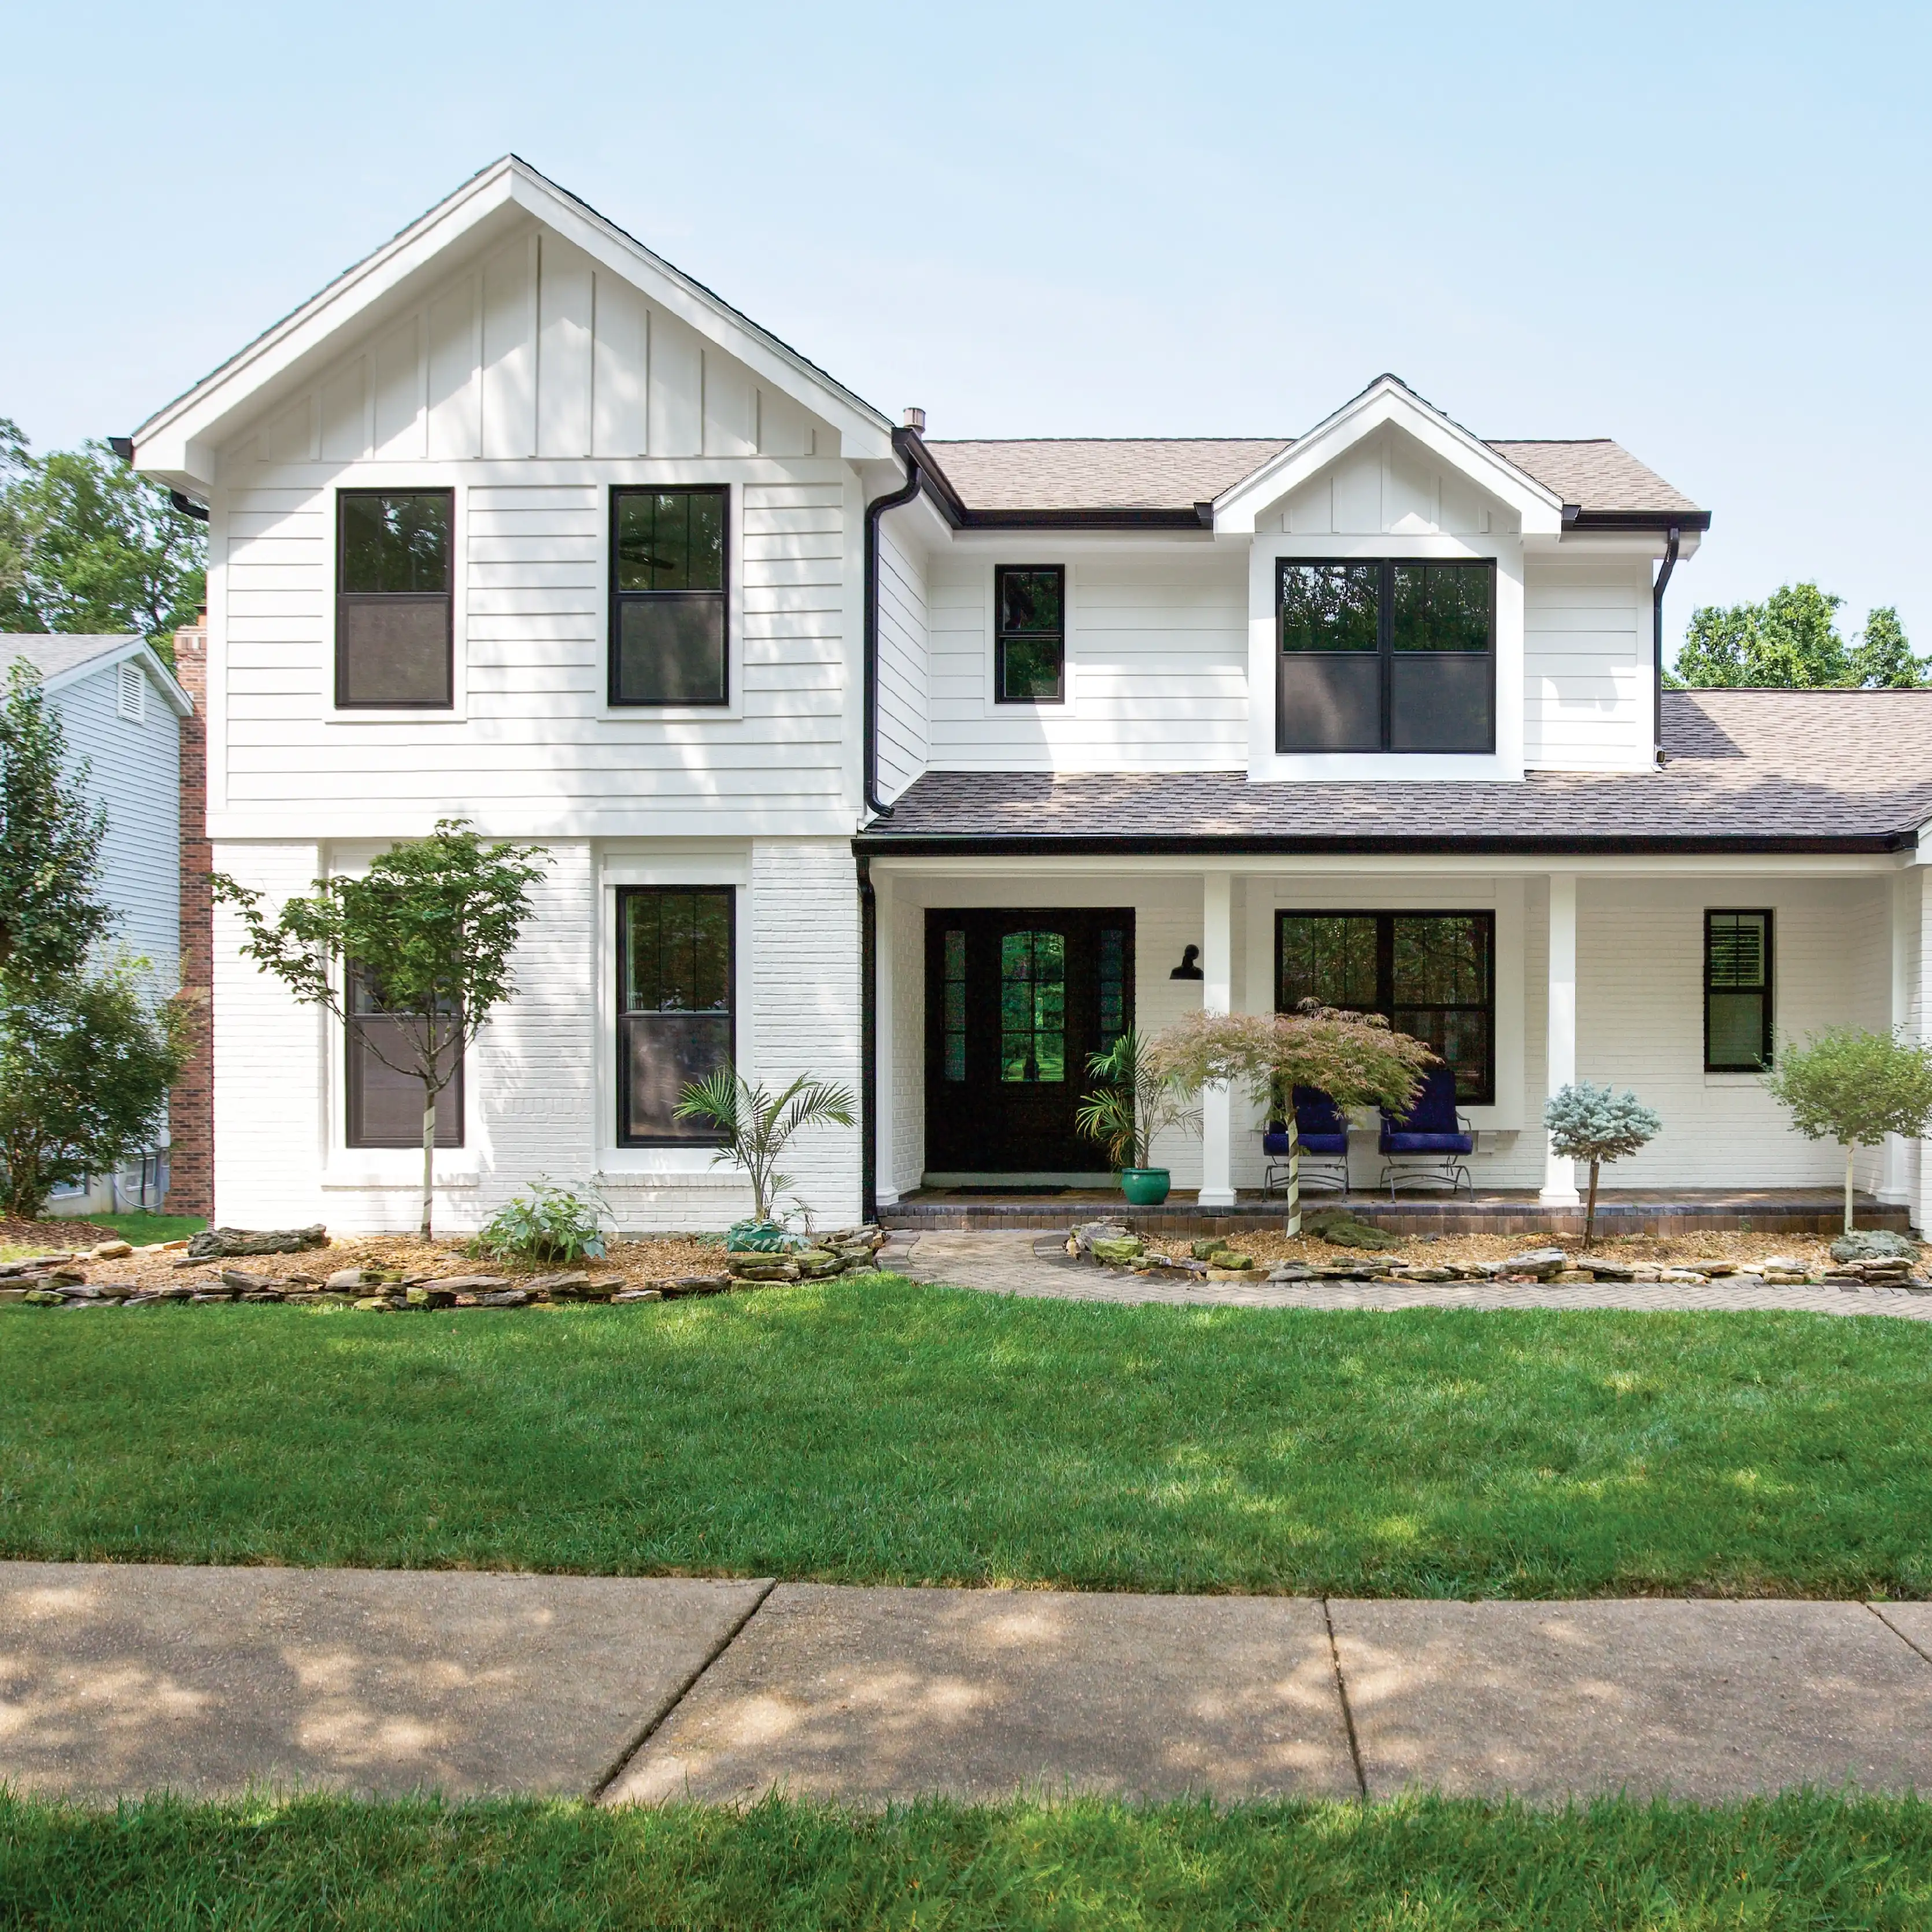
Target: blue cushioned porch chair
1322,1129
1426,1147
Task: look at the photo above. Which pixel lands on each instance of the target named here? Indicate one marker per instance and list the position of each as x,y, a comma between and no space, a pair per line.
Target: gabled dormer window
1381,656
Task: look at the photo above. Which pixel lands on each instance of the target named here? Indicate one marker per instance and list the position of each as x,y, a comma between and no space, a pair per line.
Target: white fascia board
1575,546
1385,402
159,675
177,445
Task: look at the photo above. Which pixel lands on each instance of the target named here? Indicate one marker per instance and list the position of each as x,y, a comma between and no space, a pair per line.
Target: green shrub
546,1223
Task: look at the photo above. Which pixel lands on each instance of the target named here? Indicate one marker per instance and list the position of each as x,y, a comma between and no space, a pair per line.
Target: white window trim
728,868
638,715
1044,709
383,476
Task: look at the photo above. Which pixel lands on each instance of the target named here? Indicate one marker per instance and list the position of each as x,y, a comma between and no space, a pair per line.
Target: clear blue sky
1701,230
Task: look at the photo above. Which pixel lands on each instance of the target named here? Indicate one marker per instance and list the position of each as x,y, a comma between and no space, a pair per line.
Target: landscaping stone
1292,1271
1252,1274
1540,1264
1340,1229
817,1263
242,1282
638,1295
1415,1273
31,1264
1230,1257
430,1294
44,1298
177,1291
503,1298
696,1284
1206,1250
759,1267
374,1302
1115,1251
1085,1235
353,1278
111,1251
1868,1244
1602,1269
222,1243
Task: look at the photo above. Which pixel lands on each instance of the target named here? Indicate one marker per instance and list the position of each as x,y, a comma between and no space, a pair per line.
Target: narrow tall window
384,1098
393,640
1030,634
953,1020
1383,656
668,628
1113,974
1032,1007
674,1007
1737,992
1431,975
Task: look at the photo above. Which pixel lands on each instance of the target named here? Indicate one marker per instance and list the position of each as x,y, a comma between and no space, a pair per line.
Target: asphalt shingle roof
1118,473
51,653
1747,770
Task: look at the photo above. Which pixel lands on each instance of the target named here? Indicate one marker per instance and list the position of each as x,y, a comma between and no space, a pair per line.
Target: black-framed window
1430,974
385,1100
669,624
675,960
1030,634
394,622
1384,655
1737,992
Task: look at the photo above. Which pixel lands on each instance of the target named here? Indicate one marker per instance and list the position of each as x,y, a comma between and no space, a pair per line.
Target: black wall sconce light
1190,967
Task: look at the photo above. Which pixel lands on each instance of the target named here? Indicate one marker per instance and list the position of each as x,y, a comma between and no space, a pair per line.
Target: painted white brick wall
907,1073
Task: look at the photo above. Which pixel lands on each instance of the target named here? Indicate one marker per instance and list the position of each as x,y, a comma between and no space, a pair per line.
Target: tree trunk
1294,1227
1851,1154
1590,1213
429,1156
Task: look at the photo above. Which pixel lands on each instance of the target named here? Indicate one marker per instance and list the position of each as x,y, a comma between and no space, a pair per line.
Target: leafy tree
1854,1088
1136,1102
87,545
85,1063
430,927
1882,658
50,917
758,1125
1791,641
1597,1124
1355,1058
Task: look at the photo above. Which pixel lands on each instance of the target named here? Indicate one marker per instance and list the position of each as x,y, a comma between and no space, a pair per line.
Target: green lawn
142,1227
871,1430
1801,1861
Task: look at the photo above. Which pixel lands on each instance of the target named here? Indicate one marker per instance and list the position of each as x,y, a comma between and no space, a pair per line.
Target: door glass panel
1032,1007
953,1022
1113,975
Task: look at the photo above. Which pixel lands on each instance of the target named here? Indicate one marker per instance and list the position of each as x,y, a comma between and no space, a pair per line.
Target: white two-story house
927,766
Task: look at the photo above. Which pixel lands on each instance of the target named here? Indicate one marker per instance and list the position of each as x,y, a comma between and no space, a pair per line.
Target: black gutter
1637,519
868,1045
1025,845
904,442
1125,519
1657,636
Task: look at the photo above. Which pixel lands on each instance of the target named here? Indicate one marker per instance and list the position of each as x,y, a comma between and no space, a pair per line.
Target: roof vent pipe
903,440
1657,635
915,420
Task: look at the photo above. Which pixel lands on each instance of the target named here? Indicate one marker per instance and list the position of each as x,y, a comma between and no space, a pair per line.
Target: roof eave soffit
179,444
1239,509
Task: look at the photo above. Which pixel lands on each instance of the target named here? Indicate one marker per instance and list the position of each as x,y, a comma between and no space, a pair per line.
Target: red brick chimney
191,1103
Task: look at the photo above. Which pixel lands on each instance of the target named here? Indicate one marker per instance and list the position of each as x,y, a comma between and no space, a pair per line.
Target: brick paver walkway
1006,1262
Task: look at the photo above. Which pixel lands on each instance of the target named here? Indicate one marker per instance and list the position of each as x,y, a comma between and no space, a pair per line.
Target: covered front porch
1654,972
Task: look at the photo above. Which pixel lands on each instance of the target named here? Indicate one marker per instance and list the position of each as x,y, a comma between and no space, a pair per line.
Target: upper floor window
1384,656
1737,992
394,646
668,616
1030,634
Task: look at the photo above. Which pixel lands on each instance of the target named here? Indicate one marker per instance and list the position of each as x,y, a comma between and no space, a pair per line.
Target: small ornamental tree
430,930
1596,1124
1854,1088
1357,1059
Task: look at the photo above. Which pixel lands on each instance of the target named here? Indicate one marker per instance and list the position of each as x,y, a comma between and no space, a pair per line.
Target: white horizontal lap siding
1157,664
904,663
1586,666
134,771
269,1060
803,914
1640,951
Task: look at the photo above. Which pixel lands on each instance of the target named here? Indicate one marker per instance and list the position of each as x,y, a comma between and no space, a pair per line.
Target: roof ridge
930,441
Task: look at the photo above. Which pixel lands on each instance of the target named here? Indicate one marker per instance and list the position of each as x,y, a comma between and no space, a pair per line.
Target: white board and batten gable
514,347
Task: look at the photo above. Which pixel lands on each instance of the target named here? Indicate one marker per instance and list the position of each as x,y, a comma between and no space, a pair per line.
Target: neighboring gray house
121,709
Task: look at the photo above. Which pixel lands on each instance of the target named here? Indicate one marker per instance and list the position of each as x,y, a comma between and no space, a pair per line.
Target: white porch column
1217,996
1906,896
1559,1176
884,1050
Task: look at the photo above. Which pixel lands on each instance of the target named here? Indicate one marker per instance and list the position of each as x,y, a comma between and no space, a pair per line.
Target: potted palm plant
756,1125
1136,1102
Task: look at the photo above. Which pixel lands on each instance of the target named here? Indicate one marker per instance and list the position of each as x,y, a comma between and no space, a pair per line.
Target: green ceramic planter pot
1145,1186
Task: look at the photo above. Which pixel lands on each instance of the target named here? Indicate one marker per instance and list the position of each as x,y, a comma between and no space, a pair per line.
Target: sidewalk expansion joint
677,1697
1897,1632
1348,1710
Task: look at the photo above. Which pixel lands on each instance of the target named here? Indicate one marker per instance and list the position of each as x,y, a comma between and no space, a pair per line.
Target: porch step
1769,1211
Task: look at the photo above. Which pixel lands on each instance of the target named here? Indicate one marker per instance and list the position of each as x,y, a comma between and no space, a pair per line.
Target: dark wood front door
1015,1003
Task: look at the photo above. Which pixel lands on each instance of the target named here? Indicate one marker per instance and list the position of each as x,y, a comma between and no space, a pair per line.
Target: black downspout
901,444
869,1046
1657,635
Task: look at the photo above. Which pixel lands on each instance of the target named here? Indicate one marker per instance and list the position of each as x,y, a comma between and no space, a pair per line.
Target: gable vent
133,704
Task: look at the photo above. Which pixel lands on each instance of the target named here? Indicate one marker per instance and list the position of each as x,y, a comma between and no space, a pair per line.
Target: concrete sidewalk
123,1678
